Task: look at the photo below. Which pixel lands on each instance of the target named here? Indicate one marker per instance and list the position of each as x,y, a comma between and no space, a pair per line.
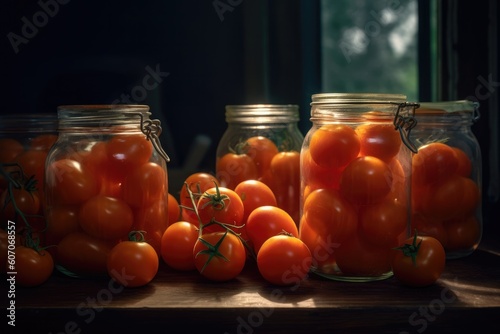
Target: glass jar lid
355,98
262,113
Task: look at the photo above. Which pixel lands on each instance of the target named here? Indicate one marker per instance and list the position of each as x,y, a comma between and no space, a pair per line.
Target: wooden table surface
467,297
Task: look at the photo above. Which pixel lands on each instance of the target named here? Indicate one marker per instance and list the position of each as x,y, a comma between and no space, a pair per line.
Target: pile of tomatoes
220,229
258,158
445,197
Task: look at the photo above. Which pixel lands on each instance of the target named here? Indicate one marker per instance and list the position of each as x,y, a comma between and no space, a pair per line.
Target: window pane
370,46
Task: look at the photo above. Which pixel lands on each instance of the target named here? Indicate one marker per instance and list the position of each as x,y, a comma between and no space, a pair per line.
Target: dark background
92,52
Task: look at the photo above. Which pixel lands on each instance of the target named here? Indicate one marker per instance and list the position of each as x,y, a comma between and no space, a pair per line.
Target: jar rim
447,107
357,98
262,113
103,107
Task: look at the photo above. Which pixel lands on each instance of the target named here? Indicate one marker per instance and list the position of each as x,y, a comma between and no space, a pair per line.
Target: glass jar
263,142
355,168
446,180
25,140
105,177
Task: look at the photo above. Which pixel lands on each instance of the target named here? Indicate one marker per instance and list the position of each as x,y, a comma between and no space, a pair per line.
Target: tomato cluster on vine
221,229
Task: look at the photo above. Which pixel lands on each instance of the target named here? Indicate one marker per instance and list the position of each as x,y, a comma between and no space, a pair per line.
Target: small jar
355,168
446,180
263,142
25,140
105,177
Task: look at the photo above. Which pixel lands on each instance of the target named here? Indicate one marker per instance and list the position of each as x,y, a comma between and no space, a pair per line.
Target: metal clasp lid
404,123
152,129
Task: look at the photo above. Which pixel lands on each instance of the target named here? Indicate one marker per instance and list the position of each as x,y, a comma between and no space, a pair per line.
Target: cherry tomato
27,201
420,262
68,182
61,221
285,168
382,141
321,246
330,215
133,263
144,185
284,260
223,205
33,267
106,217
177,244
152,220
382,223
262,150
434,162
9,149
43,142
317,176
463,233
358,258
127,152
82,254
430,226
33,164
233,168
198,183
267,221
366,180
464,163
219,256
334,145
174,210
254,193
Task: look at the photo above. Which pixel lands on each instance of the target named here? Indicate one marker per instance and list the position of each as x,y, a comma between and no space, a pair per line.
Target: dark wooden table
465,299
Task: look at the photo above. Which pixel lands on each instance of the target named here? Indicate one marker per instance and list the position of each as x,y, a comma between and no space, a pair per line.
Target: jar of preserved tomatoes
263,142
25,140
446,180
105,177
355,167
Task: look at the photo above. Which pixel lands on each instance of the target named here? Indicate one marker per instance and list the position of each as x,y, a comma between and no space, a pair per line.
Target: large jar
355,167
105,177
446,181
263,142
25,140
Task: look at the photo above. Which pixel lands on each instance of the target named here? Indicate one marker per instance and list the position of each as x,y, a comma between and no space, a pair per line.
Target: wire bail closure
405,123
152,129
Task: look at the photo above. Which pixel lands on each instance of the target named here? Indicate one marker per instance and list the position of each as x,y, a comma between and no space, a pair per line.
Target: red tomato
26,201
420,262
82,254
33,164
33,267
455,196
285,169
267,221
174,210
434,162
253,194
317,176
429,226
329,215
382,223
152,220
334,145
463,234
358,258
9,149
126,152
61,221
219,256
262,150
321,246
284,260
43,142
144,185
464,163
177,244
366,180
106,217
68,182
382,141
223,205
133,263
233,168
198,183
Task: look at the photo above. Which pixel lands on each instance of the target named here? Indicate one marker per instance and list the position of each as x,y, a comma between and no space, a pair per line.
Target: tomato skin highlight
429,263
284,260
132,263
220,269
